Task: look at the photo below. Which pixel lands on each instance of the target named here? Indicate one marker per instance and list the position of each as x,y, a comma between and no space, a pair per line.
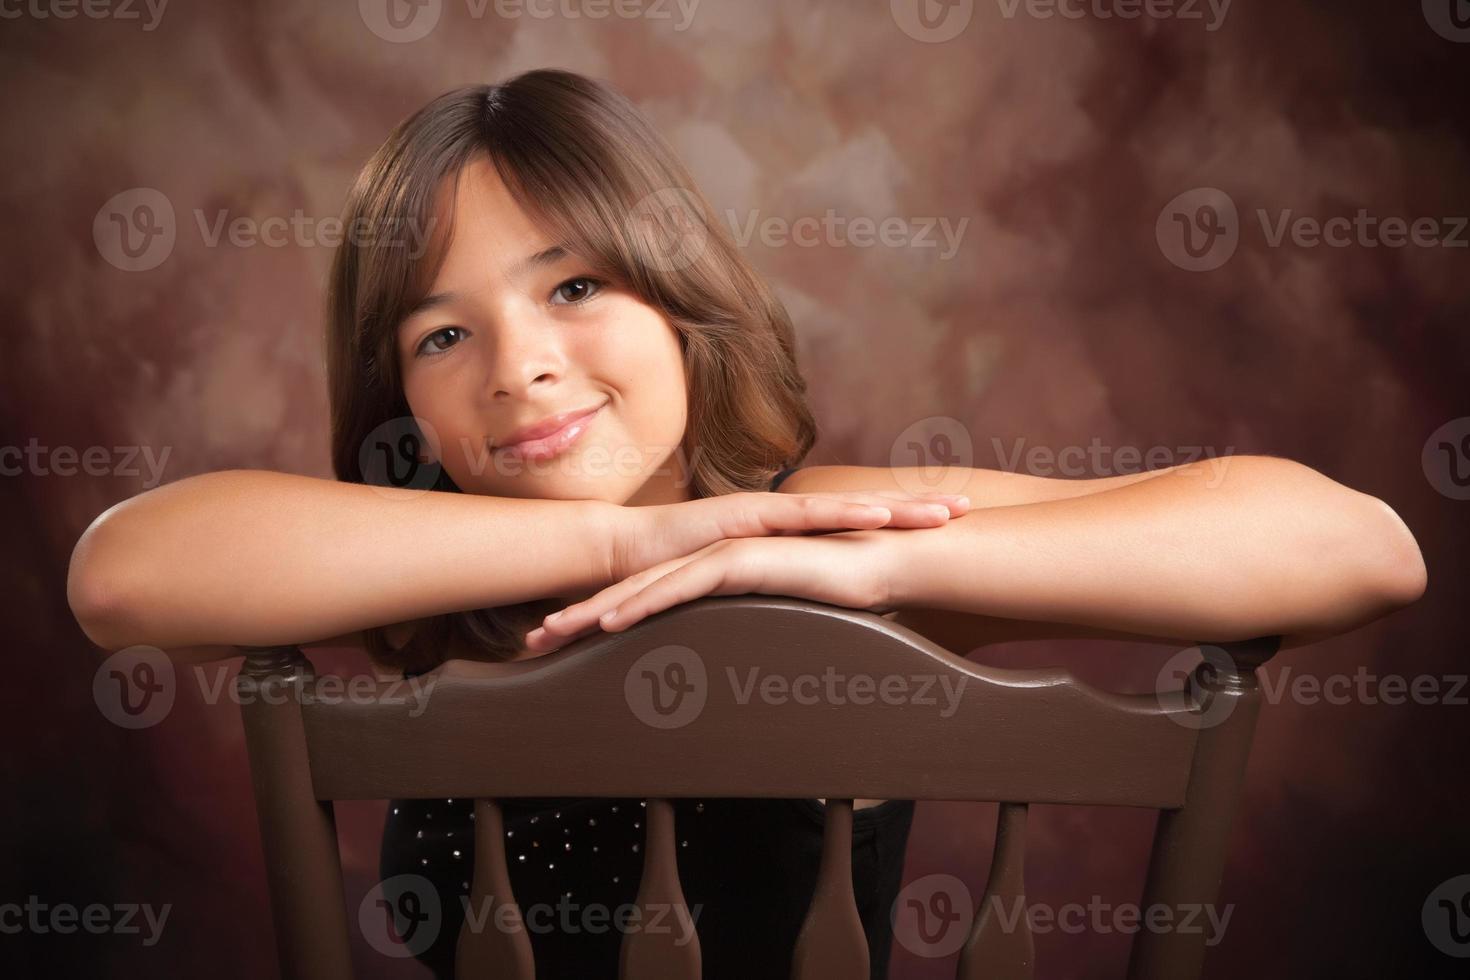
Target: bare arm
1216,550
1274,548
256,558
253,557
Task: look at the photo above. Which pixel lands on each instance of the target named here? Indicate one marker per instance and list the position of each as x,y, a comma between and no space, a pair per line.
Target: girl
578,399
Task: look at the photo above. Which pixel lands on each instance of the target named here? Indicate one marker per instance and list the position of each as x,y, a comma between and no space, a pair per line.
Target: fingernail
963,501
554,616
938,510
608,616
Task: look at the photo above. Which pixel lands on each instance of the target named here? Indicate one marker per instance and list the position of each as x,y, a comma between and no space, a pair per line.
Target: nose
525,352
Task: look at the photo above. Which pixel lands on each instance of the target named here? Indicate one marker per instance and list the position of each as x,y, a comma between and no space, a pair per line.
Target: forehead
490,230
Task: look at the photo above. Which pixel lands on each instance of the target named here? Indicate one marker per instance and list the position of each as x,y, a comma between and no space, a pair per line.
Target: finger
715,574
539,641
584,614
907,510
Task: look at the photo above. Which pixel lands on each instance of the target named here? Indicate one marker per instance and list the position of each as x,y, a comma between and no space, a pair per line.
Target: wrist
914,561
896,567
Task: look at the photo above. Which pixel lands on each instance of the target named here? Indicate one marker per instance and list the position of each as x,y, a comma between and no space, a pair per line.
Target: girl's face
512,332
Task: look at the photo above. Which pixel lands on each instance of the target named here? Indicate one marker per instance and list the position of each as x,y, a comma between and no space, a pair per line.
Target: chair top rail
749,696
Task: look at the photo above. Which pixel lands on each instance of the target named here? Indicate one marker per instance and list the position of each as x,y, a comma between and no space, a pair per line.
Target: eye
575,291
435,343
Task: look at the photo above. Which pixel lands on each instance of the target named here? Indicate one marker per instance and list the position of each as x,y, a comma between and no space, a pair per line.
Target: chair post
298,832
1187,862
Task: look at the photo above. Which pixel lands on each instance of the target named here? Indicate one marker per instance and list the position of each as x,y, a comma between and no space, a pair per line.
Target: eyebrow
547,256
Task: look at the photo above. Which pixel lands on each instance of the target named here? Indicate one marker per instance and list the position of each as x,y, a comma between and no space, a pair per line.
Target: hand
850,569
643,537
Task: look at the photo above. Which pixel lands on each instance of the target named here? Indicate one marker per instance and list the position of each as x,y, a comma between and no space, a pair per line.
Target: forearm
255,558
1272,548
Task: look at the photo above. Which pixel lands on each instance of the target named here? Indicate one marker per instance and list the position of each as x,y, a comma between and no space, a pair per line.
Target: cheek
643,361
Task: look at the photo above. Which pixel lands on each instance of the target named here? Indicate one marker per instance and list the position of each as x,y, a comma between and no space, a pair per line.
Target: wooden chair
649,713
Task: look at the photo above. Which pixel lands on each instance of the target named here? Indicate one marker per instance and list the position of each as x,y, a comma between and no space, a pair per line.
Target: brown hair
586,165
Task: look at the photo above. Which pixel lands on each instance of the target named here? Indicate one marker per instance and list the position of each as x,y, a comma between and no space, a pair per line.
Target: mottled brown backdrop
1066,309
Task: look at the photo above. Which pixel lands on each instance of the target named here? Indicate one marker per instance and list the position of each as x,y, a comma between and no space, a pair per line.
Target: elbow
1400,576
96,594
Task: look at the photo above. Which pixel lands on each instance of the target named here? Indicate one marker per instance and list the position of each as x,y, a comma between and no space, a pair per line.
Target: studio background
1065,310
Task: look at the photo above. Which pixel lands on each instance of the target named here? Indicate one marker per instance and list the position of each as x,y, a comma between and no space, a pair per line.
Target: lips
549,436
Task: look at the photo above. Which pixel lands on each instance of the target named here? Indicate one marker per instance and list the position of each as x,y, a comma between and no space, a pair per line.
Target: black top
748,869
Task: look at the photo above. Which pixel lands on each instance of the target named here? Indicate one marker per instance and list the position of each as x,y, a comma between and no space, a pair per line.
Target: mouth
552,443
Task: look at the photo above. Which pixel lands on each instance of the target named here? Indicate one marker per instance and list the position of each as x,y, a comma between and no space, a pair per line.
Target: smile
554,443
